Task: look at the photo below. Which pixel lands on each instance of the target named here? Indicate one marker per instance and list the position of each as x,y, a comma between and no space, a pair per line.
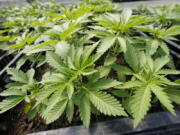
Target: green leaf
163,98
55,112
106,104
52,101
110,59
9,103
62,48
29,51
89,71
122,69
70,90
106,44
70,110
122,43
53,60
21,62
78,57
131,57
103,84
87,55
150,63
164,47
30,75
142,58
18,45
11,92
137,20
55,15
129,85
17,75
140,77
70,63
164,80
160,62
103,71
32,114
153,46
140,104
3,31
14,85
53,78
29,40
172,31
121,93
46,92
126,15
174,95
85,110
169,72
51,42
71,29
100,31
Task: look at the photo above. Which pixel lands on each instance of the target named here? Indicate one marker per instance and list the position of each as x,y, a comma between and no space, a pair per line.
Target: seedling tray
5,59
161,123
8,60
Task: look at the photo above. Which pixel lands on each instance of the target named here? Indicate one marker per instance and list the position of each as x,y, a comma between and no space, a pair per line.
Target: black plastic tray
161,123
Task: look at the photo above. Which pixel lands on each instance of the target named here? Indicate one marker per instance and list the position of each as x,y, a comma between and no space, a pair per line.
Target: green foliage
106,104
113,29
19,90
160,32
147,81
64,83
89,59
166,14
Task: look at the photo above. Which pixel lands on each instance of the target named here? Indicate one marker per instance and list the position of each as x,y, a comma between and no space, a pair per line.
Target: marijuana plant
114,29
148,79
24,88
159,34
63,87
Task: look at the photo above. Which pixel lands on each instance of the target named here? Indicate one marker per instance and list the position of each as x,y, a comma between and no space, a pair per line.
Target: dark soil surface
15,122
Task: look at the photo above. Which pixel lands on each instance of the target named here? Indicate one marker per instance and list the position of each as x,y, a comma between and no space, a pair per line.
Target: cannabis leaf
113,26
85,111
18,91
106,104
149,80
10,102
140,103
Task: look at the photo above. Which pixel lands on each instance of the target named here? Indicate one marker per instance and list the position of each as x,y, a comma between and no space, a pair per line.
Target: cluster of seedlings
96,56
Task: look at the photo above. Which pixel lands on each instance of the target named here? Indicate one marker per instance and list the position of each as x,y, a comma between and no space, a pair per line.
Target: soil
15,122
